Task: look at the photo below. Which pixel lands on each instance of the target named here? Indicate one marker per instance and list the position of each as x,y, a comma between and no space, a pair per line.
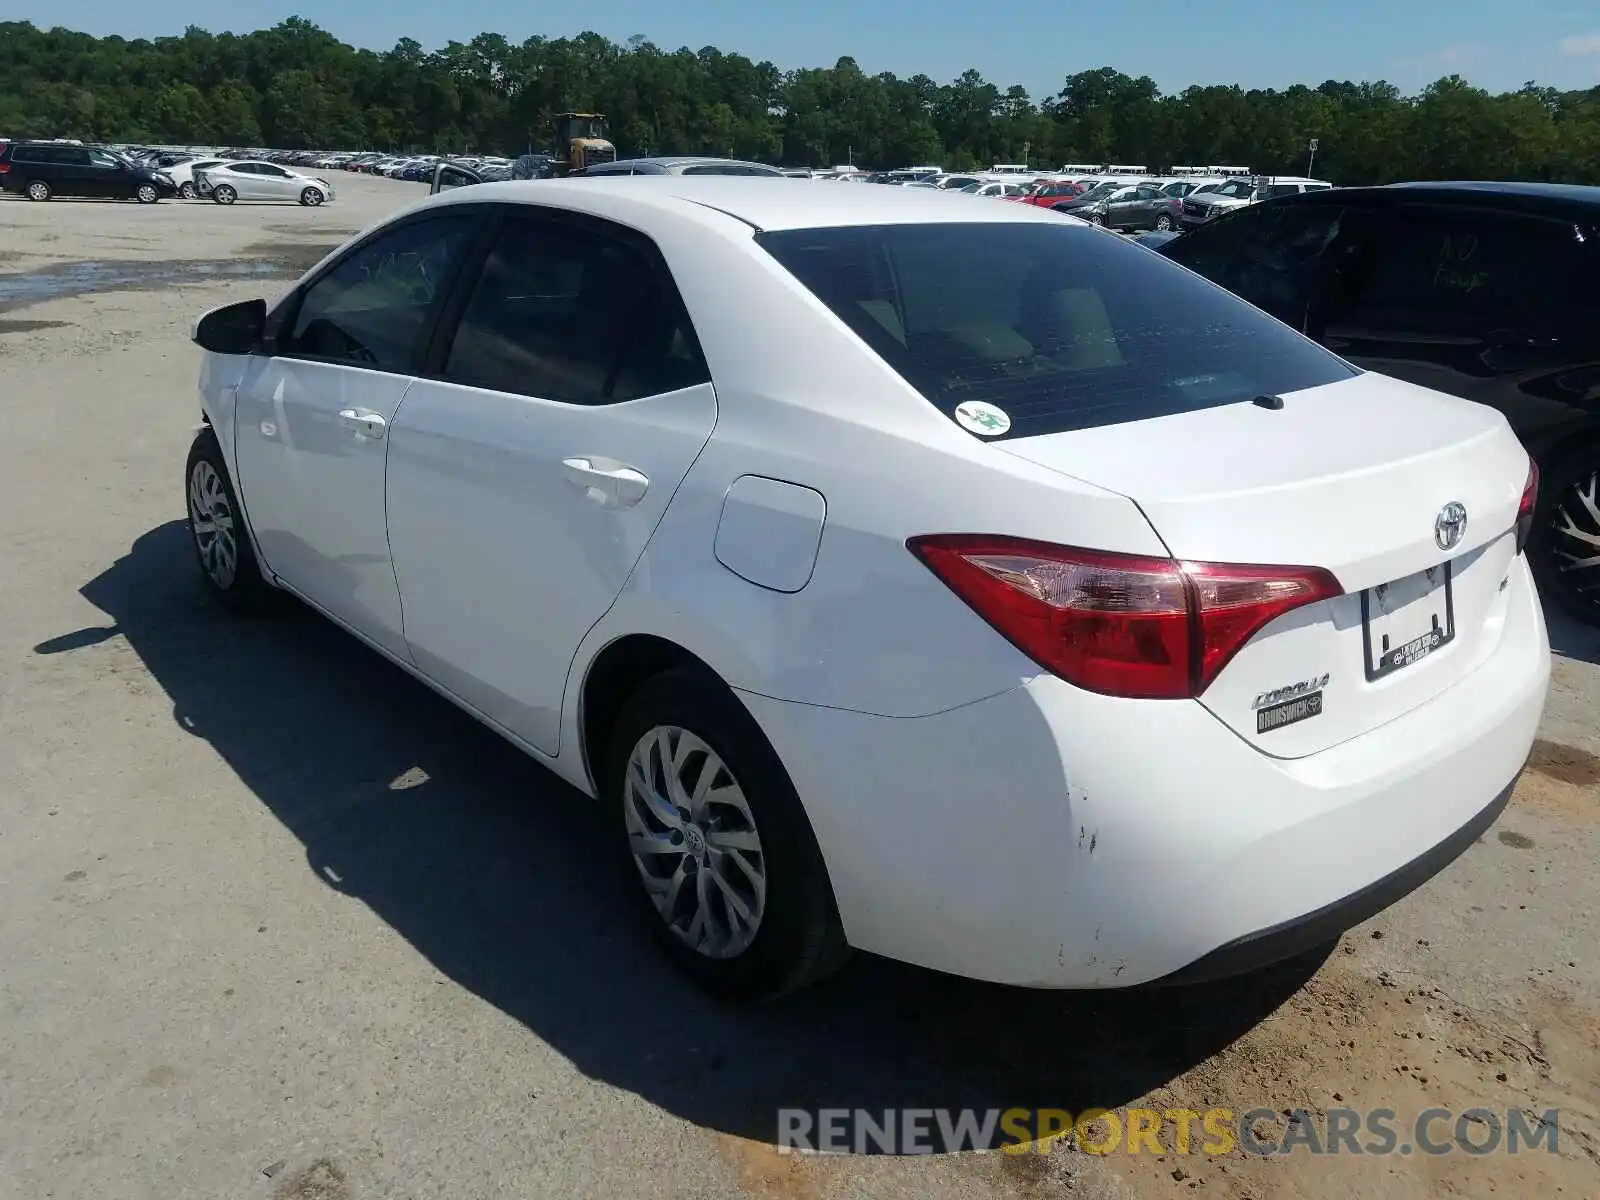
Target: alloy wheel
1163,222
147,194
694,841
38,191
211,519
1574,531
187,191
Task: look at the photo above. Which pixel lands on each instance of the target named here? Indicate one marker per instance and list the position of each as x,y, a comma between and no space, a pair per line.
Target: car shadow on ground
501,876
1572,638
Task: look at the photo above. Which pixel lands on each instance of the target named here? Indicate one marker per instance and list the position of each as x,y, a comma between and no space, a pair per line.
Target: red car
1046,194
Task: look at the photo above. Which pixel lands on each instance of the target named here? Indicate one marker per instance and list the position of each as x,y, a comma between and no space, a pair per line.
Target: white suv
1236,193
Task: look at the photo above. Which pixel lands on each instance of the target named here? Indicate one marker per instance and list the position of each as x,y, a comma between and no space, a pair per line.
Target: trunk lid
1351,477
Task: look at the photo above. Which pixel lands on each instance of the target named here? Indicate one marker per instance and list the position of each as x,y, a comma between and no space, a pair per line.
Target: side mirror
233,329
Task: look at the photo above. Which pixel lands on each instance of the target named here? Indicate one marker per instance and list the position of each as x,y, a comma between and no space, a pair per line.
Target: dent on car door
531,463
313,417
1484,305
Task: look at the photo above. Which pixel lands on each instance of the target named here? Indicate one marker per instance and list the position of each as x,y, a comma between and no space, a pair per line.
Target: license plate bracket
1404,621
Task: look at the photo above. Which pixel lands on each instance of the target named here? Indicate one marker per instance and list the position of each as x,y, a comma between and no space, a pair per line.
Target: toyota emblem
1450,526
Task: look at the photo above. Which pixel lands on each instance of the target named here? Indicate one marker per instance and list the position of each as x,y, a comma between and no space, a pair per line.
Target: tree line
297,86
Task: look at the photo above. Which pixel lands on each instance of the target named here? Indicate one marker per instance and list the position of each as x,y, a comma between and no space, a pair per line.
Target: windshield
1237,189
1100,191
582,127
1059,325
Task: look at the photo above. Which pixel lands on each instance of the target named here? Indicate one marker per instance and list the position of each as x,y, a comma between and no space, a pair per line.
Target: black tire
1164,223
798,938
147,193
243,589
1568,485
1095,219
38,189
224,194
187,191
311,197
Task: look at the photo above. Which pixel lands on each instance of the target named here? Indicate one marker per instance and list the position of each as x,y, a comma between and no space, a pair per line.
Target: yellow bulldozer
581,142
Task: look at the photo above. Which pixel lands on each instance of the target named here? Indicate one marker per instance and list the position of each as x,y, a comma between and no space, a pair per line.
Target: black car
1484,290
42,170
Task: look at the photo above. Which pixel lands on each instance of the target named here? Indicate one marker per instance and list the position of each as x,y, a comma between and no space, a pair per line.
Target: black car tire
38,189
147,193
245,589
1164,223
798,938
1095,218
1568,486
312,197
187,191
223,194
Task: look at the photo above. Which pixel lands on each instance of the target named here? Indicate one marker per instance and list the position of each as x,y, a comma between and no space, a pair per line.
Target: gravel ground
277,922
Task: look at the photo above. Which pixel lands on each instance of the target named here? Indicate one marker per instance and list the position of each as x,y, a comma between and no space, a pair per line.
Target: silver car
232,181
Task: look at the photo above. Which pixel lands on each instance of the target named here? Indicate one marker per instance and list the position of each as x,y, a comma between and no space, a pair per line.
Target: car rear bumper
1050,837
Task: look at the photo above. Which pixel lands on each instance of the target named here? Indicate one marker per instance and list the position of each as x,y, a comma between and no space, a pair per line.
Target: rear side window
1061,326
575,316
1473,272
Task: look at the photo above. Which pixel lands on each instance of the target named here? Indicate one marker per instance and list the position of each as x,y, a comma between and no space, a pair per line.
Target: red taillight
4,168
1530,500
1121,624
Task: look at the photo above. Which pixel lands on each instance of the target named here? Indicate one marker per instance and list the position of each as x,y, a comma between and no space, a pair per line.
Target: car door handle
364,421
606,481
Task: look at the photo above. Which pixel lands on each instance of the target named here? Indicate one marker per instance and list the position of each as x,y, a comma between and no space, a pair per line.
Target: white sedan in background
184,175
949,581
232,181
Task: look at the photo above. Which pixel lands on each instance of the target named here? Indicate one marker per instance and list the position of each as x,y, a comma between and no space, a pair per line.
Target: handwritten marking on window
1456,270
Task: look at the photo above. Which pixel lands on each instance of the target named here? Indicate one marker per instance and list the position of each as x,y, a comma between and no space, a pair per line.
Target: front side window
575,316
1276,257
104,161
373,308
1060,326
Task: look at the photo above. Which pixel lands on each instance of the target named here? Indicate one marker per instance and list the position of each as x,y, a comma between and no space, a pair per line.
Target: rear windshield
1060,326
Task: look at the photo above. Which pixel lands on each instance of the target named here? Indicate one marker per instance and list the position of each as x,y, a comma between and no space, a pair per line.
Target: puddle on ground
31,326
80,278
299,257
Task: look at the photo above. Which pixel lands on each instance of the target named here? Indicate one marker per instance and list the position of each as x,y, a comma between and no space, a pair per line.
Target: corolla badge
1450,526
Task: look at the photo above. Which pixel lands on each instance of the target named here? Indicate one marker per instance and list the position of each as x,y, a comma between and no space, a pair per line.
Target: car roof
1578,201
682,160
754,201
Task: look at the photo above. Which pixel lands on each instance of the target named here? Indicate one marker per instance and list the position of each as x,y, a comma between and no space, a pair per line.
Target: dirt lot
276,922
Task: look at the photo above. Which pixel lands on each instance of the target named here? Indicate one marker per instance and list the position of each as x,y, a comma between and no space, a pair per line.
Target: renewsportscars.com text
1213,1132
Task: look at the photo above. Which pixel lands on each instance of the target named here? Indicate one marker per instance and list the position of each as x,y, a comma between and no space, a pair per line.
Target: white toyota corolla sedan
937,578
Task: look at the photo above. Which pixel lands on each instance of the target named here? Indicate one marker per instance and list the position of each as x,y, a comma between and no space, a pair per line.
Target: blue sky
1257,43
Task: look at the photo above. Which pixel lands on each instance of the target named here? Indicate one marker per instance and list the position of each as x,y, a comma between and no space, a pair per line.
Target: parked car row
43,170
